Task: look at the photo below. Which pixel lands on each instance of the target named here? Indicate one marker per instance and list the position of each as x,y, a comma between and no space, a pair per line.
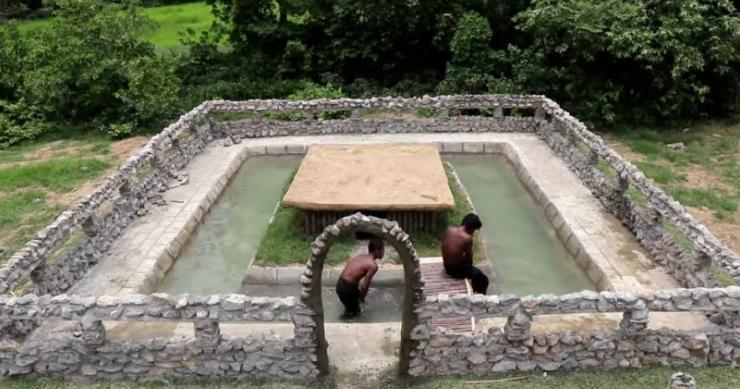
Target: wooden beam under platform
314,222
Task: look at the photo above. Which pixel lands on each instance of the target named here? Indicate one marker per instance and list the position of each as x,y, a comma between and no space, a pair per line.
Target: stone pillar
498,112
93,333
624,183
593,158
539,113
634,322
92,225
37,276
444,113
518,325
355,113
681,380
207,332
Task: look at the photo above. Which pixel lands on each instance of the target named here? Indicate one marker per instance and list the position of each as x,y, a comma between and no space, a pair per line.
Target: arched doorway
309,315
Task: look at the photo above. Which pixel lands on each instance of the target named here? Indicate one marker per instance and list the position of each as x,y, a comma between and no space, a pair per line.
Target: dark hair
472,222
375,245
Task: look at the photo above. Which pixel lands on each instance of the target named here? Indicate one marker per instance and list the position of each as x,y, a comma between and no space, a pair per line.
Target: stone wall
63,252
517,347
255,128
258,356
658,221
88,352
126,194
52,264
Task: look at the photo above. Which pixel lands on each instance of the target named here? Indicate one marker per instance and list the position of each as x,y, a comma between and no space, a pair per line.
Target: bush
475,67
312,91
88,68
650,61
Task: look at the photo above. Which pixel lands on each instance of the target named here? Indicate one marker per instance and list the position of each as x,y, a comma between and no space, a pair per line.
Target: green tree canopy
89,66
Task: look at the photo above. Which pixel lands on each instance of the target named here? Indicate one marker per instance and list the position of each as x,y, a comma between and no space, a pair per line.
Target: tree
88,68
649,60
475,67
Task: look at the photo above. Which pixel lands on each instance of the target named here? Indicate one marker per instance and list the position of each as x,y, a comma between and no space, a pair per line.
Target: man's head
472,223
376,247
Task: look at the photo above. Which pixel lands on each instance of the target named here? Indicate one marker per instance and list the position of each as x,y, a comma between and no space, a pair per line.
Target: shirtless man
355,279
457,253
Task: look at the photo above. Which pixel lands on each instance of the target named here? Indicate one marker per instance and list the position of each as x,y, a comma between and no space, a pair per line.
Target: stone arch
308,318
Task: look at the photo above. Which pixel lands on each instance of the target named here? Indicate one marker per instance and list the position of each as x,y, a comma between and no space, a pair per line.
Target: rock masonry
33,281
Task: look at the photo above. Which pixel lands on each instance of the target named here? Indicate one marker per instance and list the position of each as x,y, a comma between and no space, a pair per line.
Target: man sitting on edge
355,279
457,253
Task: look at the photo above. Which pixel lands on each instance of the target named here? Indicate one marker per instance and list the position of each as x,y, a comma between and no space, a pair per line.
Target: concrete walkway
146,249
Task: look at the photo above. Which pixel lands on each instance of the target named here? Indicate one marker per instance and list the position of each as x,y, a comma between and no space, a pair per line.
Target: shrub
88,68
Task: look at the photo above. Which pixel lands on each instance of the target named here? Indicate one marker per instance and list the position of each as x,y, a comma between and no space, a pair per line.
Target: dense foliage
608,61
89,69
647,59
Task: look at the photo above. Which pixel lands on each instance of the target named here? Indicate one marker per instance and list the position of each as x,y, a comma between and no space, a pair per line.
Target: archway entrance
309,316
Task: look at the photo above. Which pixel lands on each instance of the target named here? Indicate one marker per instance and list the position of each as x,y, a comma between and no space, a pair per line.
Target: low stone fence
63,251
517,347
88,352
675,238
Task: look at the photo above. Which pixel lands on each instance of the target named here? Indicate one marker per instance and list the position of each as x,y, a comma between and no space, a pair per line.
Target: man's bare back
355,279
359,267
457,246
457,253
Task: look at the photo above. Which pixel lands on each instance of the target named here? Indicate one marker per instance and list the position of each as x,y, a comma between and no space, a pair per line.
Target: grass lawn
41,179
652,378
704,176
170,20
286,244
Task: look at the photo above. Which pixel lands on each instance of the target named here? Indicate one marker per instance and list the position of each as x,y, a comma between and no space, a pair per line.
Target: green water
216,257
522,246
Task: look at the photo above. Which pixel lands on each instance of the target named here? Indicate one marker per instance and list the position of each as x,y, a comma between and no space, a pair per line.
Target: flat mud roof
373,177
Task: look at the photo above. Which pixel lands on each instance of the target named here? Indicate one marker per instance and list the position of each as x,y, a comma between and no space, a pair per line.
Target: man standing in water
355,279
457,253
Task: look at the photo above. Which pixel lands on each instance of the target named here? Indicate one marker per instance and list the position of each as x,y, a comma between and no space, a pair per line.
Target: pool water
524,250
217,255
522,246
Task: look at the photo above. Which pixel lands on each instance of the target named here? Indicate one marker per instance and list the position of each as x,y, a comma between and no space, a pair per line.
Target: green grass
712,152
723,203
607,169
679,236
36,172
173,19
60,175
170,20
285,243
723,276
720,377
636,196
14,207
21,216
661,174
